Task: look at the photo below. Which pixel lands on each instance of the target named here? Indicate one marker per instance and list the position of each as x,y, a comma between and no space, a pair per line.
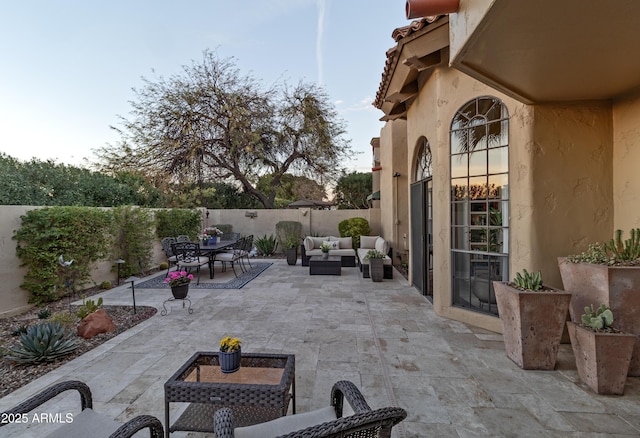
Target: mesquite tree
212,124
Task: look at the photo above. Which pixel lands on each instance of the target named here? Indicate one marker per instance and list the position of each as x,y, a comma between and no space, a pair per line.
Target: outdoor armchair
87,423
325,422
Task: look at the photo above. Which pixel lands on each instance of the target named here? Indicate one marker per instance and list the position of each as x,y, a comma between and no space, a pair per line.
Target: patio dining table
211,249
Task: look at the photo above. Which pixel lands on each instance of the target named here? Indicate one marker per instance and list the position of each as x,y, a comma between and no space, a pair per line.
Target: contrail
319,39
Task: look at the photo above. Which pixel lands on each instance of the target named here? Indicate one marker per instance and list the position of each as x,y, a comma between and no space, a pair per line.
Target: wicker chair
88,422
326,422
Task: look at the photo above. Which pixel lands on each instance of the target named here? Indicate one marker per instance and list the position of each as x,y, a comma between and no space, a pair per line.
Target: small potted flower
325,248
214,234
179,283
229,354
205,238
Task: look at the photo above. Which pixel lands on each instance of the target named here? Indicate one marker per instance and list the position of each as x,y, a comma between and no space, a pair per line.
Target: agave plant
42,343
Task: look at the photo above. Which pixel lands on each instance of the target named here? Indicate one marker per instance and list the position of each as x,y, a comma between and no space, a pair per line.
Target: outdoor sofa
342,247
375,242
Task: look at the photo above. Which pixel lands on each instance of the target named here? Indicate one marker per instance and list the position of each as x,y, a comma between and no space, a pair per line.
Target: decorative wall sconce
251,214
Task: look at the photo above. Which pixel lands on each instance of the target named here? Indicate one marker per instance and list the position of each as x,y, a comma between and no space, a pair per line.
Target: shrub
42,343
288,234
106,285
177,221
163,266
354,228
80,234
65,319
133,242
266,245
44,314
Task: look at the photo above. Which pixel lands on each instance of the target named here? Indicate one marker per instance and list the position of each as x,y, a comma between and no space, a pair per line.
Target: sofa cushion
313,242
345,242
368,241
382,245
333,244
287,424
333,252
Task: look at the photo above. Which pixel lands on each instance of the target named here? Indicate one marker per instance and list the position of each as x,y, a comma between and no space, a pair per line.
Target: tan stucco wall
560,181
394,216
571,165
13,299
626,163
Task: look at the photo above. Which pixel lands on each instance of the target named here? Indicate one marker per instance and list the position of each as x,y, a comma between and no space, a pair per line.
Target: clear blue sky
67,67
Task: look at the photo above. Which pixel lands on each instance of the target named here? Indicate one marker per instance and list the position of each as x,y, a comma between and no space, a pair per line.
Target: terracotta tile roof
398,34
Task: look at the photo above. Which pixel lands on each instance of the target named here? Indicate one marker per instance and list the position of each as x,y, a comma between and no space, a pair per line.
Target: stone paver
454,380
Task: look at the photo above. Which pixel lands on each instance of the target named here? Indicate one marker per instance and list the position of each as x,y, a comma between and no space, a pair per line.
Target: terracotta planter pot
430,8
532,324
602,359
616,286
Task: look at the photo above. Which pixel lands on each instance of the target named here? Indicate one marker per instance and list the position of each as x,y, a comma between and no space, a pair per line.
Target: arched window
424,164
479,202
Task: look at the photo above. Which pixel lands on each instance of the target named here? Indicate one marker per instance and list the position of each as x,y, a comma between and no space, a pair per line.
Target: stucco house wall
626,159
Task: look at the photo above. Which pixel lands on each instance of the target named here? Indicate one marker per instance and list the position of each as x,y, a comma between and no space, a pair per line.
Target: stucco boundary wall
14,300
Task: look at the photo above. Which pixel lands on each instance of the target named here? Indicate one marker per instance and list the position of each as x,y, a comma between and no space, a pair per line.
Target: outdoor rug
205,283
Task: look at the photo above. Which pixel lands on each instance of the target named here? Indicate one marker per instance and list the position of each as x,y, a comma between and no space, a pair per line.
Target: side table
259,391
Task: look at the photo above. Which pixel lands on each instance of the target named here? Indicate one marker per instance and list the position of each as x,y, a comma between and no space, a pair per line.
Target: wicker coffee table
332,265
259,391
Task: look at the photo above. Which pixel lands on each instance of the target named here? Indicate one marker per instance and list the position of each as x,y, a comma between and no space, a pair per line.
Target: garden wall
14,300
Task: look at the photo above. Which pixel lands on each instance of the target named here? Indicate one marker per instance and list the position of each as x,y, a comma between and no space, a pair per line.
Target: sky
68,67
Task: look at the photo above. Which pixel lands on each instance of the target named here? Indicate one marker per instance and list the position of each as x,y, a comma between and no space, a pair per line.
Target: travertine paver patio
454,380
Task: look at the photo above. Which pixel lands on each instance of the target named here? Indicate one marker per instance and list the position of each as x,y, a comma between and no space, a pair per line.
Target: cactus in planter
625,250
528,280
600,319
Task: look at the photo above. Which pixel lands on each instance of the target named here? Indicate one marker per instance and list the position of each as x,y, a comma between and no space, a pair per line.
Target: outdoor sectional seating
375,242
311,247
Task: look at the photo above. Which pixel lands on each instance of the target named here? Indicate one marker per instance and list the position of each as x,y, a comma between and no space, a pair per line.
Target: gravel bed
13,376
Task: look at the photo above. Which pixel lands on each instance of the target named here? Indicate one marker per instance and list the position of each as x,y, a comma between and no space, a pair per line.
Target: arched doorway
422,221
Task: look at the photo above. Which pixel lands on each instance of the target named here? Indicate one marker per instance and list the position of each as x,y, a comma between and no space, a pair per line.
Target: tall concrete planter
602,359
532,324
618,287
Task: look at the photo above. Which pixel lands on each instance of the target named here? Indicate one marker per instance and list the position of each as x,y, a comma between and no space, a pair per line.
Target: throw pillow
334,244
382,245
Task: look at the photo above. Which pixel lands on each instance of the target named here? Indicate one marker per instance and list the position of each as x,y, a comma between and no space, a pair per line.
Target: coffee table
332,265
259,391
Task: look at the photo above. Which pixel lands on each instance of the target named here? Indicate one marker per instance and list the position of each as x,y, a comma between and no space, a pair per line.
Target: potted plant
608,273
376,264
603,354
229,355
214,234
179,283
325,248
533,318
291,245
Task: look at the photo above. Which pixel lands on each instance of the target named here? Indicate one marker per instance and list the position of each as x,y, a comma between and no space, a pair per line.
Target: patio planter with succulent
608,273
603,354
179,283
533,318
376,264
230,354
325,248
291,251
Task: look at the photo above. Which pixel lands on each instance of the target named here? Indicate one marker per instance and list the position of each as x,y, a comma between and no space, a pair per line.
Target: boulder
95,323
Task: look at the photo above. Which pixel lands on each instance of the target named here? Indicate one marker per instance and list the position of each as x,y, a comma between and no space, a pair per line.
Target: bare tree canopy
211,124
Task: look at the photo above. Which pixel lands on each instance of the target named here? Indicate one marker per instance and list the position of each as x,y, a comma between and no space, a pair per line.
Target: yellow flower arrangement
229,344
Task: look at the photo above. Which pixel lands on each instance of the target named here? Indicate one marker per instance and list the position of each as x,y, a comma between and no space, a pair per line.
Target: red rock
95,323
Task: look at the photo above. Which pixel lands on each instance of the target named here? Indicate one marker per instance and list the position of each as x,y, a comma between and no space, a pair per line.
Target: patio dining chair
229,236
188,256
87,423
166,243
183,238
231,256
335,420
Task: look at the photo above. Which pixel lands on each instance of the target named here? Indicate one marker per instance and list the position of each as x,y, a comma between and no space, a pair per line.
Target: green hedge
177,221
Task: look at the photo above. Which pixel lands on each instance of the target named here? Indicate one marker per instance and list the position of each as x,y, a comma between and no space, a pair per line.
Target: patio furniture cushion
333,244
332,252
345,242
313,242
287,424
362,252
368,241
